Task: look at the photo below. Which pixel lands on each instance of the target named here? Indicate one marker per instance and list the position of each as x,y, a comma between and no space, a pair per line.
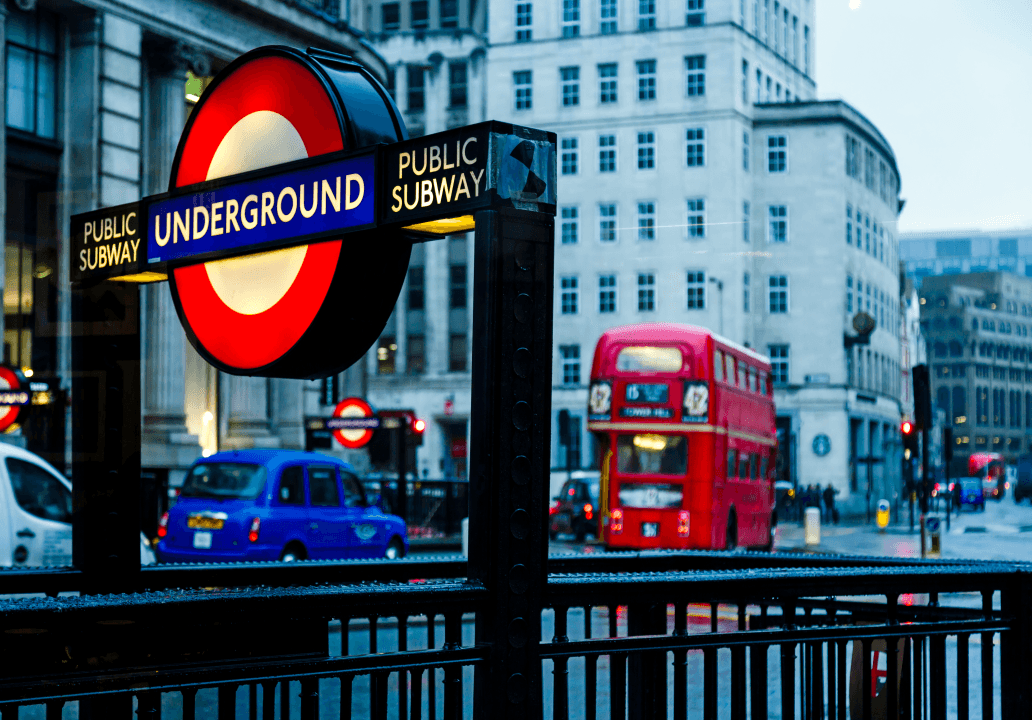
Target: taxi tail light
682,523
589,512
163,525
252,534
616,522
553,508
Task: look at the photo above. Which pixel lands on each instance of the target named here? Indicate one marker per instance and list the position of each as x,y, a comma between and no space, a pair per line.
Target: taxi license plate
650,530
204,522
202,540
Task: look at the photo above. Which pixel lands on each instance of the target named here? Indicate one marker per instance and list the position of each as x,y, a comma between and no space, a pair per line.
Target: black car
575,510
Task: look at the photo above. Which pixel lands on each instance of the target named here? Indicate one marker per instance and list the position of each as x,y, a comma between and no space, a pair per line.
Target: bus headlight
600,398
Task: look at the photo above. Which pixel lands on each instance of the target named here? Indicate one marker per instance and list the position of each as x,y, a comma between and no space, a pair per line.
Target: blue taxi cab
285,505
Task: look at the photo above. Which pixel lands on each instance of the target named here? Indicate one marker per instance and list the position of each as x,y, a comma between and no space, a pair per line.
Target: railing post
646,671
510,423
1015,646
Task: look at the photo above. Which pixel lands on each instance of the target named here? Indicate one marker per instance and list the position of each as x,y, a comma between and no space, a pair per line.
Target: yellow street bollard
882,517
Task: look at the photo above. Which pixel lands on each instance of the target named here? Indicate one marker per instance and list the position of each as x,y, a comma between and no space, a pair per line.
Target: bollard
812,526
933,527
465,537
882,516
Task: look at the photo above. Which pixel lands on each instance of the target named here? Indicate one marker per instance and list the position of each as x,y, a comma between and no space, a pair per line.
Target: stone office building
96,99
977,329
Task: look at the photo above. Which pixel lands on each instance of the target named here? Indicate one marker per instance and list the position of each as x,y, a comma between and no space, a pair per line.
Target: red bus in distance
685,426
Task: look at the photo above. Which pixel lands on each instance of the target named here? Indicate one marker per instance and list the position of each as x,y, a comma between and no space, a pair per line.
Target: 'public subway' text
446,188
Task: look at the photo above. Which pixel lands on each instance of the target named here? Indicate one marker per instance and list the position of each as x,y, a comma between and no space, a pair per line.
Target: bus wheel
731,538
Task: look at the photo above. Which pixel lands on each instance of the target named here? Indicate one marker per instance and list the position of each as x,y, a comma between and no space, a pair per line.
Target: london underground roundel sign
357,409
302,311
9,386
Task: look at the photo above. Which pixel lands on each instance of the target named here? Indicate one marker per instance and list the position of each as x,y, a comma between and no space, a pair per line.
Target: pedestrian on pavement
956,496
829,504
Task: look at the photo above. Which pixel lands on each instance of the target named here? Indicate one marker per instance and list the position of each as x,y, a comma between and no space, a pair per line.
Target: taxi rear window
646,358
239,481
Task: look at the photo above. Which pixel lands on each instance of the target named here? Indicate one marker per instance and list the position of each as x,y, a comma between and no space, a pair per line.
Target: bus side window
763,383
732,465
743,466
730,371
763,467
718,365
752,380
743,373
752,467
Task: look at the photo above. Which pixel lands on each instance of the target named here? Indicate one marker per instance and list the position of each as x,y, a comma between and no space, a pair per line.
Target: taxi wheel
292,553
395,550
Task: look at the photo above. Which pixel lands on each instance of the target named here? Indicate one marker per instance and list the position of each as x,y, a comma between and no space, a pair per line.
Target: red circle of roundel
363,407
283,86
8,413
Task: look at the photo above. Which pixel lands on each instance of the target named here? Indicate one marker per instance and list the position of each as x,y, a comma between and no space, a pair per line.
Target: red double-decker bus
685,424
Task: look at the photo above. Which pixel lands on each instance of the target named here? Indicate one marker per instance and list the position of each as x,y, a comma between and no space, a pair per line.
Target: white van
36,512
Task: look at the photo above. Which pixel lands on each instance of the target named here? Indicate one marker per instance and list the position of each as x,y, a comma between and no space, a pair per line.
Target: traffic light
922,398
417,428
564,427
909,433
947,444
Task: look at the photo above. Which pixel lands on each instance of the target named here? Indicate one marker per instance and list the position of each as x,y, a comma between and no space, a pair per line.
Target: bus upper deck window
752,379
730,372
644,358
743,369
763,383
718,365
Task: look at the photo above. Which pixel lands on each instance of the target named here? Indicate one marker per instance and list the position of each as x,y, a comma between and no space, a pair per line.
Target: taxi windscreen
652,454
224,480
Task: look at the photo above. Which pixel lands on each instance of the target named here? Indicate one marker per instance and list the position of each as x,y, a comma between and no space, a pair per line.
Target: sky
949,84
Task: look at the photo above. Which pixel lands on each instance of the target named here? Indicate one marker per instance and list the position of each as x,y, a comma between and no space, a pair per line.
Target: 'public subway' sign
430,185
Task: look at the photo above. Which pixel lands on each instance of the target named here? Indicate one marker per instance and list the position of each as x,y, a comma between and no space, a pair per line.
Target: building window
457,286
524,21
806,49
778,363
416,94
646,79
570,82
457,84
869,168
415,354
777,223
646,14
696,218
777,153
646,150
607,222
745,151
696,290
646,221
420,10
745,292
852,157
390,17
607,17
607,83
746,212
607,153
568,298
849,224
646,292
777,286
569,156
570,355
386,349
449,13
391,83
696,152
849,293
569,227
695,15
457,351
416,288
745,82
695,74
607,293
522,81
571,18
329,390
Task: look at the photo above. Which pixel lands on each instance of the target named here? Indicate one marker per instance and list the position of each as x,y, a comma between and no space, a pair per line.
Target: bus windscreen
652,454
645,358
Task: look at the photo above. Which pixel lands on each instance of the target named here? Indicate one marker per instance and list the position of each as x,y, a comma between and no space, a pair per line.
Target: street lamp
720,289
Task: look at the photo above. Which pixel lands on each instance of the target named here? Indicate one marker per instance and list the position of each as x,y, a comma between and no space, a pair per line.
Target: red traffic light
418,426
907,427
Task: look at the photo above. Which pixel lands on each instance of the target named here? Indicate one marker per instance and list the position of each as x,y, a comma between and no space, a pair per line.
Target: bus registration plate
650,530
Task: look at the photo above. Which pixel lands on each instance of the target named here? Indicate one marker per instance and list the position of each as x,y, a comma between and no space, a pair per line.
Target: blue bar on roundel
272,211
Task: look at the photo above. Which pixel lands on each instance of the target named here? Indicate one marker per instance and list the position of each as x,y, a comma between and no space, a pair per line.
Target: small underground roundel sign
12,397
298,310
353,422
